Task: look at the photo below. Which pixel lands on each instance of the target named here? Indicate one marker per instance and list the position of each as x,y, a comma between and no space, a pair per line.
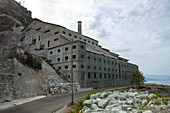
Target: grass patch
79,107
105,96
157,103
88,95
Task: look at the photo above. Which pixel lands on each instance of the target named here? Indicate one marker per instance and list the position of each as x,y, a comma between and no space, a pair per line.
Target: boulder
95,107
103,103
93,96
117,111
87,102
147,111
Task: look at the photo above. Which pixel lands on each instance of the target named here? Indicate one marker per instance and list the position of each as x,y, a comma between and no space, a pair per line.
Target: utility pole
72,101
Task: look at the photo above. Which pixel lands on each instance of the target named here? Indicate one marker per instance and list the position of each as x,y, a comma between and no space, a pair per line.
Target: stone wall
6,87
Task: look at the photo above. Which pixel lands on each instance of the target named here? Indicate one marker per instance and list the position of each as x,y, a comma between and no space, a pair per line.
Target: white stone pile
125,102
63,87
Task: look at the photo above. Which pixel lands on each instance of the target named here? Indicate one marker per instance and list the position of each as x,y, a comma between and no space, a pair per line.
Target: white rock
103,103
129,101
93,96
102,94
117,111
129,109
109,107
151,95
163,107
134,111
147,111
87,102
144,101
124,107
94,106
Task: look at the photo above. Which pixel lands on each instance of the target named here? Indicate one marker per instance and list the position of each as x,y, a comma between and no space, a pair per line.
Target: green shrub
157,103
88,95
165,101
80,102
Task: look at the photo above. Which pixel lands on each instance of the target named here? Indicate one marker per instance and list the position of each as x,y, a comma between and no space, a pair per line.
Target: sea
158,79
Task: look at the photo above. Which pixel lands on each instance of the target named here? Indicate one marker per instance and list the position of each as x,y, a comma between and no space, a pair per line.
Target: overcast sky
138,30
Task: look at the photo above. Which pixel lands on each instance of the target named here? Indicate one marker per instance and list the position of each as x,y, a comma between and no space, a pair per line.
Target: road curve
48,104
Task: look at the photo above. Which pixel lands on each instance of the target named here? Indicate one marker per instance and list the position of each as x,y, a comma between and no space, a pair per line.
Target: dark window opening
58,59
108,69
88,41
95,75
68,76
79,37
84,39
69,34
39,37
88,67
66,49
56,32
75,36
89,76
109,75
108,62
38,29
55,39
82,66
48,43
58,50
64,32
113,76
82,56
42,47
94,67
34,42
59,67
74,47
74,66
66,67
92,42
100,68
104,68
104,61
88,57
66,57
46,31
82,47
51,52
99,60
74,56
105,75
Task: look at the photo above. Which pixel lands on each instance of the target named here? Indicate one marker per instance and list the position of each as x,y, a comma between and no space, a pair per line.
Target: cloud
138,30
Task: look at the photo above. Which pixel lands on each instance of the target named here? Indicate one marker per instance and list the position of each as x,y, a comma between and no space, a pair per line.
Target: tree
137,78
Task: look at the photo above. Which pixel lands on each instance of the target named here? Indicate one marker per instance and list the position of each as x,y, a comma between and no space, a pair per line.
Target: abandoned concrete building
92,64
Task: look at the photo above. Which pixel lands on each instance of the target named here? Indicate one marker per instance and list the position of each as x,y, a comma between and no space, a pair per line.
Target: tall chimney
79,27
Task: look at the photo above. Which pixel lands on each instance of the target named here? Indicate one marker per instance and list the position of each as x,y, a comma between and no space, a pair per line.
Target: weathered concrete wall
6,87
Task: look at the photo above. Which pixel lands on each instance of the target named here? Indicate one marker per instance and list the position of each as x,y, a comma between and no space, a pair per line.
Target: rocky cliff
17,79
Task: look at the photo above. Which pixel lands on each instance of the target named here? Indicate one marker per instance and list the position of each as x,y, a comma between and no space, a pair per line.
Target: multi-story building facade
92,64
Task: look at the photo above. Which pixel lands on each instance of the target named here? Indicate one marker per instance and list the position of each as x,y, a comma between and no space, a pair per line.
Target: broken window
74,66
51,52
74,47
66,49
89,76
55,39
74,56
66,57
66,67
34,41
58,59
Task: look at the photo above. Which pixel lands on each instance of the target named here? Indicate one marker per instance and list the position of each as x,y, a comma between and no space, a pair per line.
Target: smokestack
79,27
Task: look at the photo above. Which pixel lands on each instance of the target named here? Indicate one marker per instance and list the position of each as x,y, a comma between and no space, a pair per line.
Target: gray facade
92,64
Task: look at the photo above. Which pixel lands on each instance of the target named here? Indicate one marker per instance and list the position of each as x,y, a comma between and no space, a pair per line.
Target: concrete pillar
79,27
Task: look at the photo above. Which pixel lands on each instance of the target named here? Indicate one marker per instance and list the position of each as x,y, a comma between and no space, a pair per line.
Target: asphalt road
48,104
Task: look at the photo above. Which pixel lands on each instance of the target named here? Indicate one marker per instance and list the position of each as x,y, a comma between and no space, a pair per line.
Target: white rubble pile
130,101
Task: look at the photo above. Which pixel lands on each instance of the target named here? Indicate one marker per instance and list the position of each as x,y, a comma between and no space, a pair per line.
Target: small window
58,59
108,75
82,56
94,59
84,39
112,69
68,76
58,50
55,39
48,43
38,29
69,34
82,66
104,61
51,52
39,37
46,31
108,69
92,42
105,75
74,56
94,67
64,32
104,68
66,57
74,66
100,68
88,57
108,62
59,67
88,67
34,42
56,32
88,41
74,46
99,60
75,36
66,67
66,49
89,76
82,47
95,75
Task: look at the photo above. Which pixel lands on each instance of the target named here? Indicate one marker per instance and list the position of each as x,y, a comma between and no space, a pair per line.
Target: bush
88,95
28,59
